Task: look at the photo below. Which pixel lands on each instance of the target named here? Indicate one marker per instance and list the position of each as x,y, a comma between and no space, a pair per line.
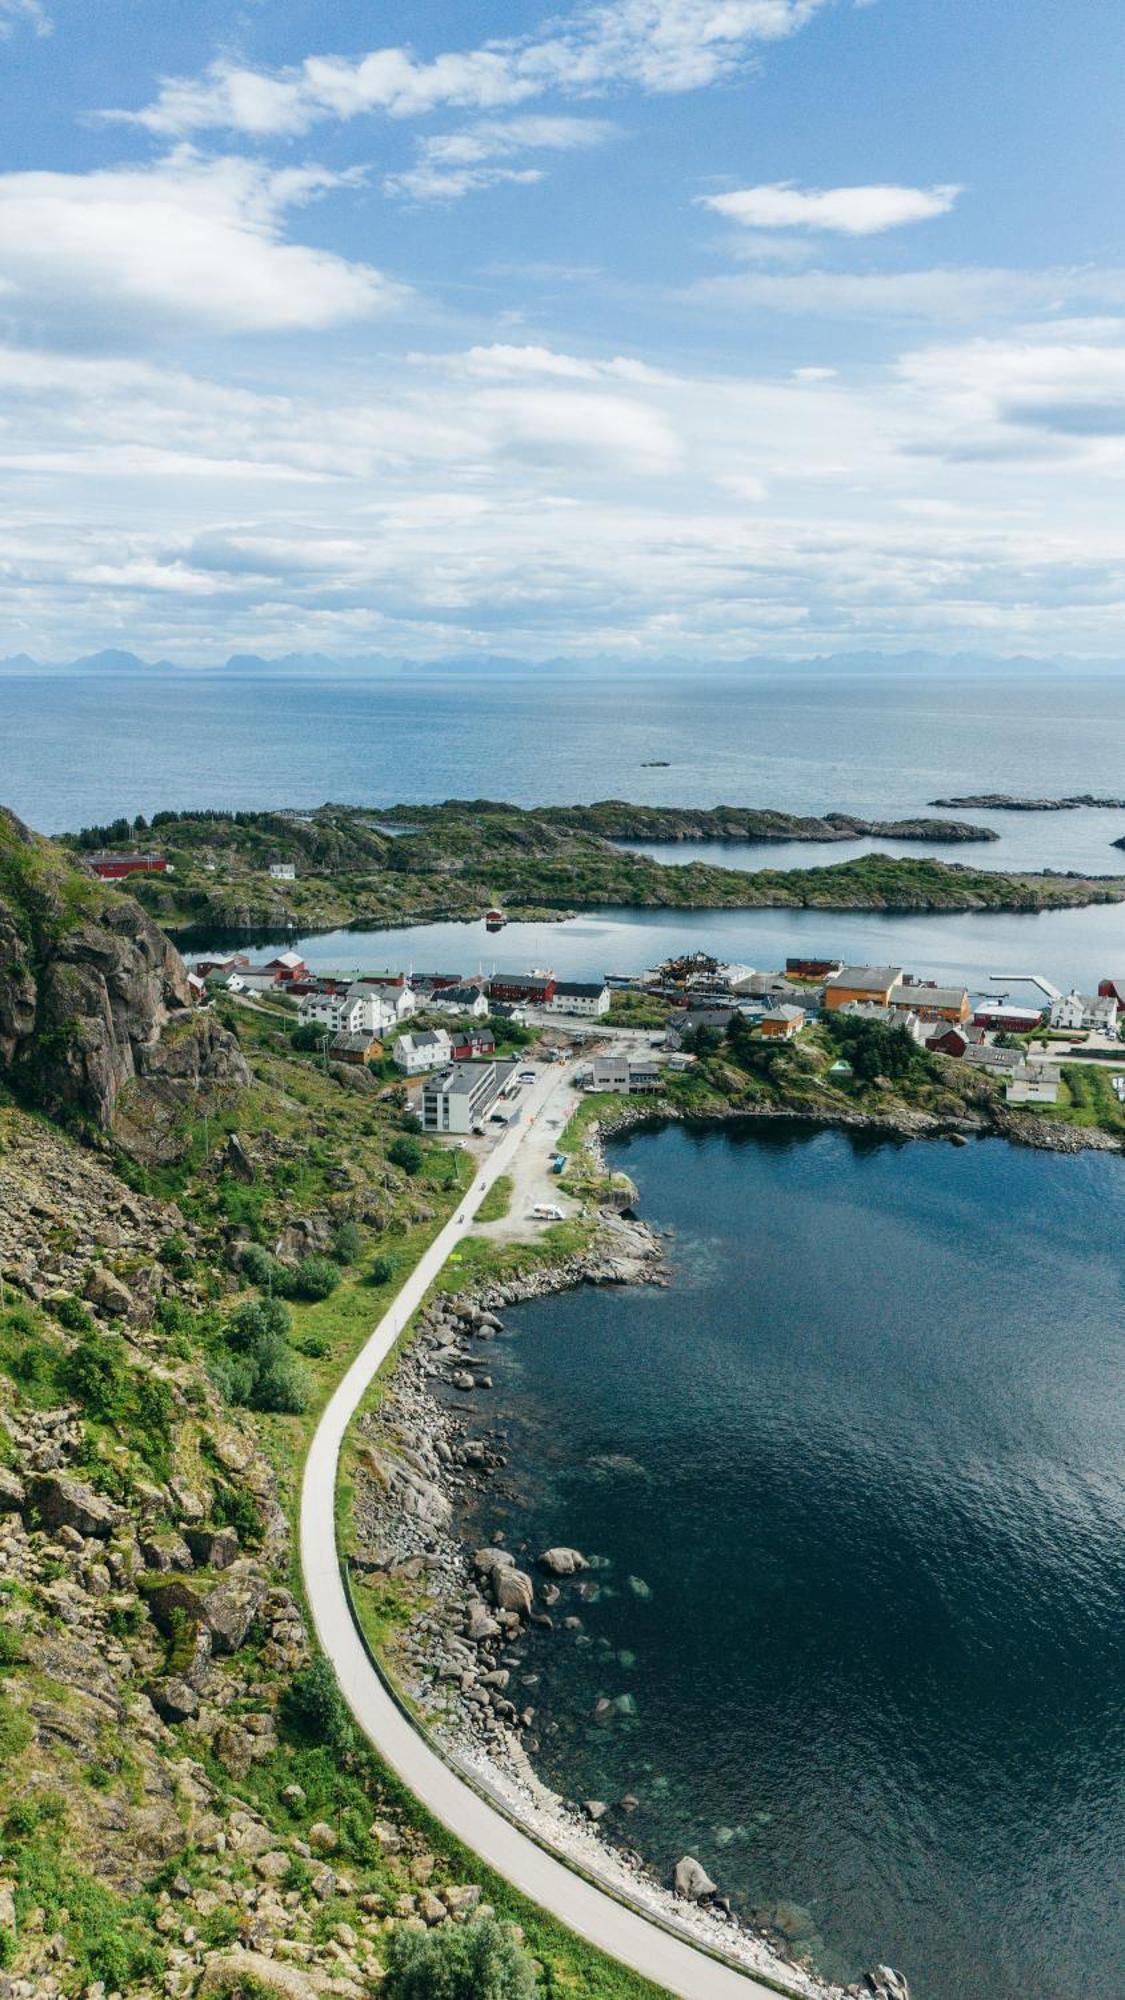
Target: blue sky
695,329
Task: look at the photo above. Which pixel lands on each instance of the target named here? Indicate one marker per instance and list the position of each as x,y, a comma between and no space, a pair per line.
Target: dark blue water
867,1454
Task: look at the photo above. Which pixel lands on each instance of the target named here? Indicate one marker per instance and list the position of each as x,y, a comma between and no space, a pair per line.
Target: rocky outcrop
93,996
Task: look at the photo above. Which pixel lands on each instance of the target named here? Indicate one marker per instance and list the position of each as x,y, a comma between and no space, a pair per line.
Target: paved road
623,1933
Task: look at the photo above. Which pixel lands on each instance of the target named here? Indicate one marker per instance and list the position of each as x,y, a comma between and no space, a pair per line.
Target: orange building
870,984
782,1023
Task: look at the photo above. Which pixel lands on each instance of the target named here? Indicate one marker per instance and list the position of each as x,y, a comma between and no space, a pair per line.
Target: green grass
498,1200
1086,1099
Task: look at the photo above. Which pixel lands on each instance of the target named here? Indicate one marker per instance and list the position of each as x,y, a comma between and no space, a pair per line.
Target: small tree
407,1154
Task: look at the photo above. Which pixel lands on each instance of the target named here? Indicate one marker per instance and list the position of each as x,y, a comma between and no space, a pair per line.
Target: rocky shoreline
458,1661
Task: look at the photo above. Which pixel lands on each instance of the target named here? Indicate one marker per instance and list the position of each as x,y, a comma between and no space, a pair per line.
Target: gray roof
360,1040
866,978
462,1080
580,988
918,995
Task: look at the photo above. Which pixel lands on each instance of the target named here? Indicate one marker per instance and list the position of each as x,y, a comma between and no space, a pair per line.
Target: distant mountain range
113,662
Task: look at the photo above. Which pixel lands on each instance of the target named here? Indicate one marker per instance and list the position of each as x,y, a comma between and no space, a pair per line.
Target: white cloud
452,164
14,13
940,293
188,242
659,46
846,211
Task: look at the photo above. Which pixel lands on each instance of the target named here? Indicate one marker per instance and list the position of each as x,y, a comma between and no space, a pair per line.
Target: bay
866,1459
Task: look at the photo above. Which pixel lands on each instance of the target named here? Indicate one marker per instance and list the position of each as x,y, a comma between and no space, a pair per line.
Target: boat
494,920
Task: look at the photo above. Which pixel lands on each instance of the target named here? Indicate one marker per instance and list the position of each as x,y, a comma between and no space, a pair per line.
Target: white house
1097,1011
460,1000
430,1049
579,996
282,871
628,1076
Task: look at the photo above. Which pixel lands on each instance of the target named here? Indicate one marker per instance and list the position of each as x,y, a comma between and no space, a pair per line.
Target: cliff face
93,997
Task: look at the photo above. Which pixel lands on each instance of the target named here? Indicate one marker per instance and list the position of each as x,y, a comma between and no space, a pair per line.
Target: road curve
624,1933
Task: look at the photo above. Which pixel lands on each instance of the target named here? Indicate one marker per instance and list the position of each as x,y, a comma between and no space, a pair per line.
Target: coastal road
624,1933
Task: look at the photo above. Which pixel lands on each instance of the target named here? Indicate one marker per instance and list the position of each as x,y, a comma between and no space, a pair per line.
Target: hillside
184,1806
96,1019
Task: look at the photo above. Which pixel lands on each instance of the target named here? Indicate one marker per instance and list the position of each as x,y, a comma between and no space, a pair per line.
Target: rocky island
413,864
1007,802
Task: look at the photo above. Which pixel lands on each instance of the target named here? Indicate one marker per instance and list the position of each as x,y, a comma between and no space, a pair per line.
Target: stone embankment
460,1659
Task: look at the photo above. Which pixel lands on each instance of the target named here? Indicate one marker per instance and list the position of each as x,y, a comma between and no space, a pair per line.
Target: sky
695,330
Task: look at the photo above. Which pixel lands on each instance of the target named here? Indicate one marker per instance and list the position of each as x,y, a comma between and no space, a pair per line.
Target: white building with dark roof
580,996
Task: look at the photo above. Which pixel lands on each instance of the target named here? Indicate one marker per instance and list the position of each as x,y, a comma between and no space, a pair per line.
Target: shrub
307,1038
257,1369
314,1278
71,1313
348,1243
235,1507
407,1154
94,1375
175,1254
476,1961
314,1710
263,1268
382,1269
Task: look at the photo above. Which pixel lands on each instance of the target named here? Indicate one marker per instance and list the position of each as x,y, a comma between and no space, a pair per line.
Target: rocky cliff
93,997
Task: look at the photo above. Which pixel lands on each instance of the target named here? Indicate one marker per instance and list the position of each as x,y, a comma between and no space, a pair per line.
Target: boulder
165,1552
480,1623
885,1984
512,1590
232,1606
213,1548
231,1972
173,1699
690,1880
323,1839
108,1293
62,1502
486,1560
13,1493
562,1562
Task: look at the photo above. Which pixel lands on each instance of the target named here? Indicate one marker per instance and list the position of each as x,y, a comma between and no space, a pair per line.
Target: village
454,1038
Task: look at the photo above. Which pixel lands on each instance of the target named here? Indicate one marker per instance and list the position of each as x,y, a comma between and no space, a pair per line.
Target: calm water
73,751
1066,946
867,1457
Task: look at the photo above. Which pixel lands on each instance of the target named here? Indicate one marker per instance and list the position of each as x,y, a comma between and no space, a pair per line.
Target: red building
470,1046
813,968
111,867
950,1042
1015,1020
528,989
1112,989
230,962
287,967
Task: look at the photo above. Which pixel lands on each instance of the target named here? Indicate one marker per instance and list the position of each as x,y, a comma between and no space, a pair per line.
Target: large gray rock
232,1606
173,1698
212,1548
691,1880
512,1590
562,1562
236,1972
13,1494
107,1292
60,1502
90,987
